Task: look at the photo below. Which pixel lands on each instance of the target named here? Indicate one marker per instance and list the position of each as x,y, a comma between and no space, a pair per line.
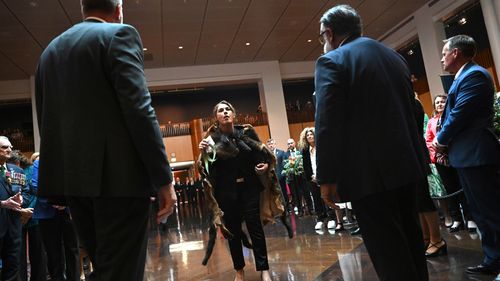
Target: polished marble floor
175,253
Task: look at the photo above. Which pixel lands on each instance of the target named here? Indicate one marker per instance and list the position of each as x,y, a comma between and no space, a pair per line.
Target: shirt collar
95,18
460,70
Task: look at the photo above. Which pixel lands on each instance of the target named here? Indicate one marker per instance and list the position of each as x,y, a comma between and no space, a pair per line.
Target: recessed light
247,43
144,49
462,21
410,52
309,40
181,47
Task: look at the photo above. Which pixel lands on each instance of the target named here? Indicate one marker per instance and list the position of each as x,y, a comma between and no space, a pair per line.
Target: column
273,103
491,14
431,35
36,132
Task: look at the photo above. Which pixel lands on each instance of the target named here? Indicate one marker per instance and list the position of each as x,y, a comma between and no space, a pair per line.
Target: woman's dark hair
434,101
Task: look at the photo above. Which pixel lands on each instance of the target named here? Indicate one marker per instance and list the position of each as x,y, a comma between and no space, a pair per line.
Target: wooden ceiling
209,31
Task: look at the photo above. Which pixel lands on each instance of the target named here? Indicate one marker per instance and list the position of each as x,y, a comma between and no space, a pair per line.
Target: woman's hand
203,144
261,168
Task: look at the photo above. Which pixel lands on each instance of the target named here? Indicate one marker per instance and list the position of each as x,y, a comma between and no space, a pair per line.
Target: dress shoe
482,269
457,225
441,250
356,231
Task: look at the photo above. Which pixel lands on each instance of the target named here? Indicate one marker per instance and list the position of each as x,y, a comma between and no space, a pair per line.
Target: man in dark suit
368,146
101,144
296,182
279,154
12,189
473,147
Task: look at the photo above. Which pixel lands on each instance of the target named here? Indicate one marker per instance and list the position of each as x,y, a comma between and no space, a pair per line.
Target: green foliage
293,166
496,116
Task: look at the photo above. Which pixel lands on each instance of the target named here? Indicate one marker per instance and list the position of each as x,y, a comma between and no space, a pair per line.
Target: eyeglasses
6,147
321,39
290,143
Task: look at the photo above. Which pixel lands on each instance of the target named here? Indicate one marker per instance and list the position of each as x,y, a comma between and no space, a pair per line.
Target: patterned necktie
2,171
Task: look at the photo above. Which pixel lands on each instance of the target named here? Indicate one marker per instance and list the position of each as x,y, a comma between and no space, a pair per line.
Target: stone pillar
36,132
491,14
431,35
273,103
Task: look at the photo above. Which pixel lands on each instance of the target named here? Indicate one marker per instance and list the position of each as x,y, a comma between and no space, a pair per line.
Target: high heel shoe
457,225
441,250
339,227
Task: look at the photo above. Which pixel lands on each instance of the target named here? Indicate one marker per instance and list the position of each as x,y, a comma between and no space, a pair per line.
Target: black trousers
319,205
299,192
282,182
246,208
482,189
61,244
392,234
10,248
38,262
114,232
451,182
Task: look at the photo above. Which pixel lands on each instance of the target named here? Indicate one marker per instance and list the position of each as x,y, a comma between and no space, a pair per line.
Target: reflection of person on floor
240,158
367,141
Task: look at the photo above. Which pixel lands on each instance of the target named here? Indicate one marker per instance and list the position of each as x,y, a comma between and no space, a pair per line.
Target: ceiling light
181,47
247,43
33,4
144,49
462,21
410,52
309,41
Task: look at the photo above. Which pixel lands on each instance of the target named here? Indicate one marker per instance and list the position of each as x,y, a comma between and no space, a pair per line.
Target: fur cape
271,204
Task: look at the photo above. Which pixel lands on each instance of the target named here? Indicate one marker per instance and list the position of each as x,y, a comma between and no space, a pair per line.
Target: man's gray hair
4,138
343,20
465,44
106,6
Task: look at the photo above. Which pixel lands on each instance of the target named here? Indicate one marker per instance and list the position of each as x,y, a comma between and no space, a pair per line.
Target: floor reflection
176,250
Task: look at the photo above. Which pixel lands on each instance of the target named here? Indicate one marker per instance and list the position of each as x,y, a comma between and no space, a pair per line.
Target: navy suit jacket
367,139
99,133
468,120
280,156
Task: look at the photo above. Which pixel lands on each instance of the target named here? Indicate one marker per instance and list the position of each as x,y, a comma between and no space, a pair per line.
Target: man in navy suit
12,189
473,147
101,144
369,149
280,154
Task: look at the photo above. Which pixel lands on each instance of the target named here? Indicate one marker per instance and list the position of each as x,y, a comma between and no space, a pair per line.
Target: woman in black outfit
307,145
233,182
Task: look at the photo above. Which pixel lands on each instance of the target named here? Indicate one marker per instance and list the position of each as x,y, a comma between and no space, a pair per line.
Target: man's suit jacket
468,120
366,134
10,220
280,156
99,133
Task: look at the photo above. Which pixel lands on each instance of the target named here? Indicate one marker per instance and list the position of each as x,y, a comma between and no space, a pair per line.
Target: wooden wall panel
181,146
262,132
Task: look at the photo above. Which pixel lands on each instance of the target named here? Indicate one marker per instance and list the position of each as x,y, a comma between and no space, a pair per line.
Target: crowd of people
78,195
